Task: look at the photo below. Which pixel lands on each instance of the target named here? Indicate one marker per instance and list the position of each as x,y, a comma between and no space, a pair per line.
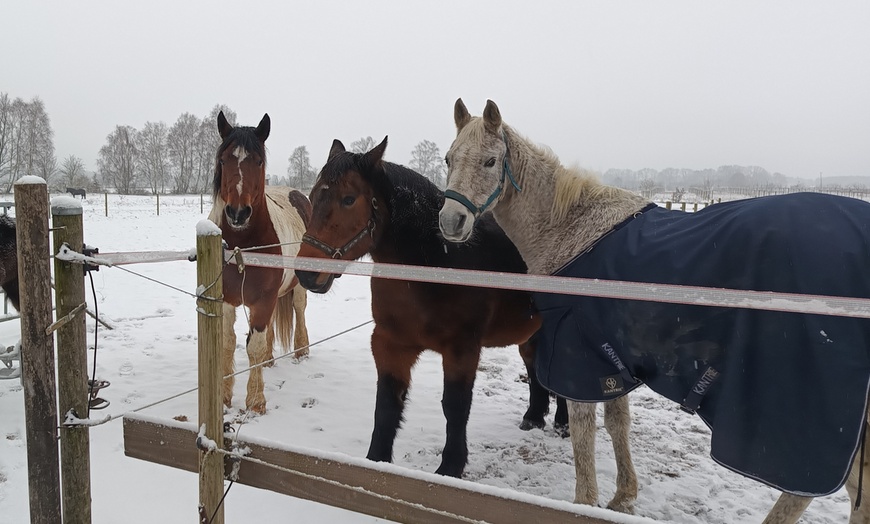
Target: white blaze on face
240,153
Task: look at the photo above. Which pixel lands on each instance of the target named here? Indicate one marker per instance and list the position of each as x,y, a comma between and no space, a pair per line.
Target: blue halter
505,172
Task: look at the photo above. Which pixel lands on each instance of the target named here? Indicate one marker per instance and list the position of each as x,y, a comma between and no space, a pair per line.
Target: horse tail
283,321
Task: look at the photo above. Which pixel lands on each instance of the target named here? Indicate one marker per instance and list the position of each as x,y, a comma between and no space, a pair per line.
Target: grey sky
783,85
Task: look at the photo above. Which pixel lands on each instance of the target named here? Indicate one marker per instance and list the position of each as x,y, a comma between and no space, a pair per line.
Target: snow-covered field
327,402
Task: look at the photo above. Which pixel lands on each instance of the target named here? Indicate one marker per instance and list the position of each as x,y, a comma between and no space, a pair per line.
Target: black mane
243,136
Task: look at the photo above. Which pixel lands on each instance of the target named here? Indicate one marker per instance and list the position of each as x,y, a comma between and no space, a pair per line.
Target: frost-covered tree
26,141
426,159
117,160
207,142
72,173
153,158
363,145
182,141
299,171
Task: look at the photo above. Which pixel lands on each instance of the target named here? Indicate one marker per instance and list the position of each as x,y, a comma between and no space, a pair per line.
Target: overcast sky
783,85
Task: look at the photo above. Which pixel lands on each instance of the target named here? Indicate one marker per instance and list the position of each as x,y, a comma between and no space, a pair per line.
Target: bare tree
26,141
426,159
72,173
118,159
207,142
182,151
153,165
299,170
363,145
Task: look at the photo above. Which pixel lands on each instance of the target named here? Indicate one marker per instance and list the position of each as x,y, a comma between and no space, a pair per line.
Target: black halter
333,252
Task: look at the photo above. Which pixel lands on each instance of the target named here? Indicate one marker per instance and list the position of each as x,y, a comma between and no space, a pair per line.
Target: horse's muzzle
455,222
308,280
238,217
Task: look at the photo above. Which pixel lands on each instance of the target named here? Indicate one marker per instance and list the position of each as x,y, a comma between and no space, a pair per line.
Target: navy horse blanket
784,394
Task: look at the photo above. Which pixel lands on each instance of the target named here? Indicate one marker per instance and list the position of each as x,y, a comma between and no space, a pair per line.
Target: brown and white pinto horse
251,214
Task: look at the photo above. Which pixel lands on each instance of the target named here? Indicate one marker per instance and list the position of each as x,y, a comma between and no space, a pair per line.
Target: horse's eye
348,201
221,161
260,163
447,161
490,162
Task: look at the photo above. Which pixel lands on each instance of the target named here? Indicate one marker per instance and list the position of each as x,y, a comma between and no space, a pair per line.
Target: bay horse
364,205
784,394
251,214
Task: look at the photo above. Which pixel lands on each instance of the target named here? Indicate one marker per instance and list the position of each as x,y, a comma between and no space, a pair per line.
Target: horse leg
229,335
460,368
258,353
581,421
856,486
788,509
539,398
617,421
560,420
270,345
393,363
300,333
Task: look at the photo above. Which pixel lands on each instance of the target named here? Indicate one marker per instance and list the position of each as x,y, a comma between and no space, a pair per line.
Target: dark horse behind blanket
75,191
9,259
798,381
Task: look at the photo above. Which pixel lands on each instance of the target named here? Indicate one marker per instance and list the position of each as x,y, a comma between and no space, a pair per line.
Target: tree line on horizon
159,158
156,158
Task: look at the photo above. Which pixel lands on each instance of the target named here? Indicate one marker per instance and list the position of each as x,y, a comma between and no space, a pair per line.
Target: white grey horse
552,214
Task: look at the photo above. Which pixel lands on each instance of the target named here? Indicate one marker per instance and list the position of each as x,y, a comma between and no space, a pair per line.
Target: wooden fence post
37,350
72,364
106,194
209,258
158,204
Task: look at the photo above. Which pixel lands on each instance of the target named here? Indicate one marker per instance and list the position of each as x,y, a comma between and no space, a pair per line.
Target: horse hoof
562,430
622,506
528,425
258,408
448,471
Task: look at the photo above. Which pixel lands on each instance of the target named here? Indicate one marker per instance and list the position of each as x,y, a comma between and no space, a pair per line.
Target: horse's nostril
460,224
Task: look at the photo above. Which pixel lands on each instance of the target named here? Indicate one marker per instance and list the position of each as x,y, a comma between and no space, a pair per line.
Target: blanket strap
693,399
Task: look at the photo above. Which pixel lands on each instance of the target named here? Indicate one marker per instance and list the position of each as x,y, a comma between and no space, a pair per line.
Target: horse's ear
375,157
491,117
337,147
460,114
224,127
262,131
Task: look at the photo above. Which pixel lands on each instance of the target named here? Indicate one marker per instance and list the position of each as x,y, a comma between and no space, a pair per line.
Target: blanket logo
612,385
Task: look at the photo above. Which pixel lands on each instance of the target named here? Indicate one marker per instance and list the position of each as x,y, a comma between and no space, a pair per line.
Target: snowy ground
327,403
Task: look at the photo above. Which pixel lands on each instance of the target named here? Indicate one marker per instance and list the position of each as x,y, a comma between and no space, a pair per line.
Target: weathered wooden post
158,204
209,265
37,350
72,362
668,205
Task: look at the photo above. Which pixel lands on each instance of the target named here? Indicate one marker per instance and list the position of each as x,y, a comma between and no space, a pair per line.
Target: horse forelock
244,142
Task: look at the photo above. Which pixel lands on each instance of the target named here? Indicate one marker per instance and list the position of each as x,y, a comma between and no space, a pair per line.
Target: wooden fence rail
382,491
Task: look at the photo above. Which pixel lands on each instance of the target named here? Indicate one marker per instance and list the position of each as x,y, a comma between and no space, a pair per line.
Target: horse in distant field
272,219
363,205
785,394
74,191
9,260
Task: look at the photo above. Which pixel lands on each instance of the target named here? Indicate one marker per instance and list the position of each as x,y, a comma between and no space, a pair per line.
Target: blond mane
571,183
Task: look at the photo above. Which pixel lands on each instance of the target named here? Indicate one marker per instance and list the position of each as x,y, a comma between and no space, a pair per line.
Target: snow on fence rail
690,295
